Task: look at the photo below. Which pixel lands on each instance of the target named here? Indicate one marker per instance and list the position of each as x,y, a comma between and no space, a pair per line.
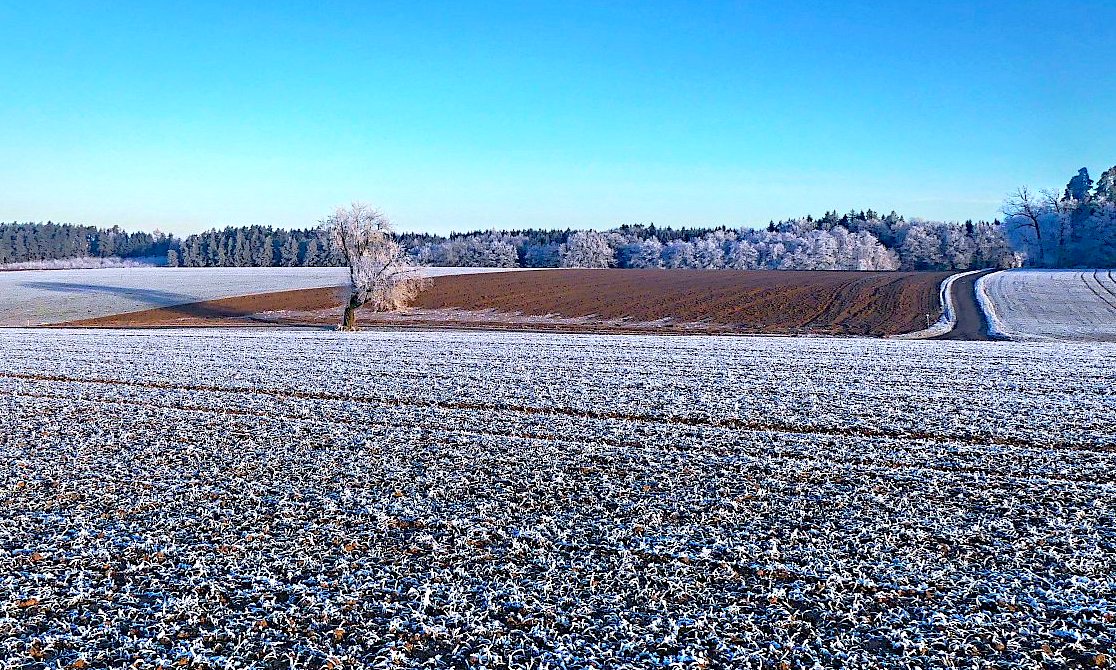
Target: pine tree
288,256
1105,188
1078,187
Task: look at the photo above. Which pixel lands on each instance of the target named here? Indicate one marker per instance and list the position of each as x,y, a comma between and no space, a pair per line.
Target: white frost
1036,305
226,498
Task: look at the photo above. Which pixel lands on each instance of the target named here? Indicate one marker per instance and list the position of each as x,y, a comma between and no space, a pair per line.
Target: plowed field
842,303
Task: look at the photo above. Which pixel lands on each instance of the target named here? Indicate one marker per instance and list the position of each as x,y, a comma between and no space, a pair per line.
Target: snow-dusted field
313,499
1051,304
37,297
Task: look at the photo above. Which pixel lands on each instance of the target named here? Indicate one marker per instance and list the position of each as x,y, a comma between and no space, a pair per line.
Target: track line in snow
1103,298
907,468
1059,305
1100,280
695,421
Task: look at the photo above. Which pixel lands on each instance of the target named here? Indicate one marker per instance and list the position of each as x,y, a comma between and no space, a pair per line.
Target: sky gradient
186,116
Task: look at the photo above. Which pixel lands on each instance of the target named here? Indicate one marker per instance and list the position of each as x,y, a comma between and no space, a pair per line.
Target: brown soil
774,302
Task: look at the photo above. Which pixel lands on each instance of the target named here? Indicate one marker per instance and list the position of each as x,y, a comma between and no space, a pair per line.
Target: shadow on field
147,295
187,306
251,309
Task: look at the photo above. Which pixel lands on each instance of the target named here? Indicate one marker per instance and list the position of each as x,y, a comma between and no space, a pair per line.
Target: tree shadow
167,302
169,308
153,297
210,310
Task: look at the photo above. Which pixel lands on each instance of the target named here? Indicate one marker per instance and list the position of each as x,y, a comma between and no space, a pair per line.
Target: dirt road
971,322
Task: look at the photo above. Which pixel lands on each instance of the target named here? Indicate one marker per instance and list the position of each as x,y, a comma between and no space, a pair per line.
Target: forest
1075,227
23,242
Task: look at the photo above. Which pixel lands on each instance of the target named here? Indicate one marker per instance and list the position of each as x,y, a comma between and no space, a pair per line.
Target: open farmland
310,499
1051,304
715,301
36,297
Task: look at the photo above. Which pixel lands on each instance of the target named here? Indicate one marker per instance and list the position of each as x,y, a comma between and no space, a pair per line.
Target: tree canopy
1074,228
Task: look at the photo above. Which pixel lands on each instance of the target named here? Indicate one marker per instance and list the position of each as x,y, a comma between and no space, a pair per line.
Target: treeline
1072,228
24,242
854,241
254,246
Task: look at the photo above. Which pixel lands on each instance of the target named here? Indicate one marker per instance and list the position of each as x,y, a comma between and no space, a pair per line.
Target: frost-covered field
38,297
291,499
1051,304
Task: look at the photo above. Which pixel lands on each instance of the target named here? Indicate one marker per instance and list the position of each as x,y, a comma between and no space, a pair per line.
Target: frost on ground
1050,304
307,499
57,296
85,263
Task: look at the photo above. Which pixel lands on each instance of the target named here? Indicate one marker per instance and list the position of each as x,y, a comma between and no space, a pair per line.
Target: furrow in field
1096,288
1103,279
234,496
1058,305
726,423
749,443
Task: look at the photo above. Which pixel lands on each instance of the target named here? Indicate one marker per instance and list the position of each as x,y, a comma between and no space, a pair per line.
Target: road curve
971,321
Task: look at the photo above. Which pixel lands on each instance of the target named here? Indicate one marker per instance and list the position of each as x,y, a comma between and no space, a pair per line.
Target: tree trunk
1038,239
348,322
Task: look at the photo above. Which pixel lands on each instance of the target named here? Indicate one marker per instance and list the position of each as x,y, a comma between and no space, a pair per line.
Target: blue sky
455,116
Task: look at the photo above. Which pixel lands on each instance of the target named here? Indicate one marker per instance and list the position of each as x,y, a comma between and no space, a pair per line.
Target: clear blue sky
463,115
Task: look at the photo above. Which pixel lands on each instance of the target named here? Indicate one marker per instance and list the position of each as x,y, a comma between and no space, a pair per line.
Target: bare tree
1023,210
1066,210
381,274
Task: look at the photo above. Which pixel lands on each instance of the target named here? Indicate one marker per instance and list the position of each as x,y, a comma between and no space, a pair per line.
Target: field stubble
524,500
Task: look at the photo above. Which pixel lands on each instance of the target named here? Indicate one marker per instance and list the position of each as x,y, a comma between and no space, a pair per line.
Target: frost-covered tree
314,255
541,255
709,254
381,274
771,251
712,249
742,255
824,250
874,256
862,251
586,249
486,250
288,255
1105,188
958,248
679,254
1102,234
921,247
647,254
992,248
1076,229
